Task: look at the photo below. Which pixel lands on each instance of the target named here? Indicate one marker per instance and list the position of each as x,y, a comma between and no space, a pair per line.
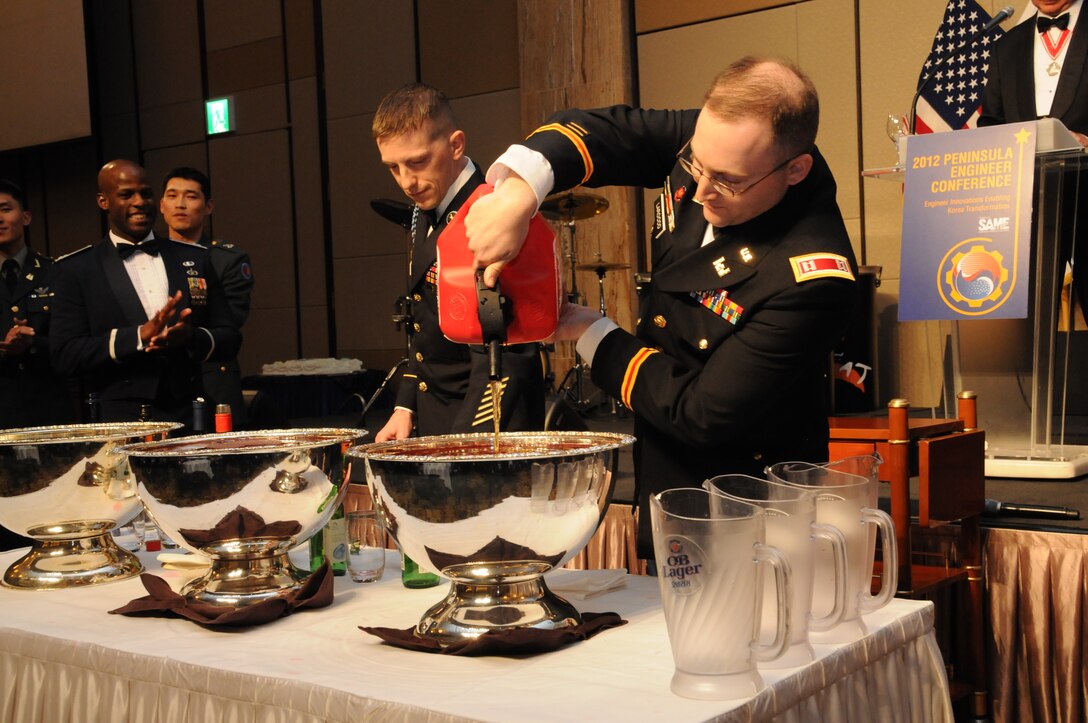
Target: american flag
954,94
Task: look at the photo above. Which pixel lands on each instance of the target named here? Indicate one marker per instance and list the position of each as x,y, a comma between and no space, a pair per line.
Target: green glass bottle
331,542
413,577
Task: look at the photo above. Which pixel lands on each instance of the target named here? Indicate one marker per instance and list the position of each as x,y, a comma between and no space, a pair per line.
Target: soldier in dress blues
186,205
444,388
31,393
753,271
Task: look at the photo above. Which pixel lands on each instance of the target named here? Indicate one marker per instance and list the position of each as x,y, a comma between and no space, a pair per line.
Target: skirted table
63,658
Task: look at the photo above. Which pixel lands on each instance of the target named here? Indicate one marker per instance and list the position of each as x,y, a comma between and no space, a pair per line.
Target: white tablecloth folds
63,658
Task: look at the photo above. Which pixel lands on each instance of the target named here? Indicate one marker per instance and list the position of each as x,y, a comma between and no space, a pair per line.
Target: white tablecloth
63,658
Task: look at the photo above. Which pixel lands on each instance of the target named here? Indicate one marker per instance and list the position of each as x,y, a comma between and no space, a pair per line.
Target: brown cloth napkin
316,592
516,641
241,524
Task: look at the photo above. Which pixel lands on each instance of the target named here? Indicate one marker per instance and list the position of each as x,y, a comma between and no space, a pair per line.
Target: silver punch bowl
493,522
243,499
68,487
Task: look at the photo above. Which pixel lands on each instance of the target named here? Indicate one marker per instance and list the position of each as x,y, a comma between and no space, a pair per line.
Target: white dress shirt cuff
527,163
592,337
406,409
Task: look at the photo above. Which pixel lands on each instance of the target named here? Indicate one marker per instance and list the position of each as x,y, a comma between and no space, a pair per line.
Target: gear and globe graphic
974,277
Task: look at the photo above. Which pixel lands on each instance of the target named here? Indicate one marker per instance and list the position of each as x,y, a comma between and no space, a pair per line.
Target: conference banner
967,224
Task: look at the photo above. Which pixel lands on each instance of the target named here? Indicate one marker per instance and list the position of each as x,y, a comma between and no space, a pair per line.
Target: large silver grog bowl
68,487
243,499
493,522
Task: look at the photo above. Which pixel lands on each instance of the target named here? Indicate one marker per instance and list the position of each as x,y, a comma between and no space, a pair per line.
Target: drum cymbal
398,212
601,266
573,206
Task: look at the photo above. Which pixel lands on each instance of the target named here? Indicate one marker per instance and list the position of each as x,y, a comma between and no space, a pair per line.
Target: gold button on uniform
419,357
703,344
659,321
417,297
15,309
423,386
417,327
222,368
757,456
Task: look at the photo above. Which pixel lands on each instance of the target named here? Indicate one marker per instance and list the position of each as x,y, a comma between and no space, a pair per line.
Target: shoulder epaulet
73,253
218,244
187,244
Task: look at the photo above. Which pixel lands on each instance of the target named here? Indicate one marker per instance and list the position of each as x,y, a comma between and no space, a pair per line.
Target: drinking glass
366,546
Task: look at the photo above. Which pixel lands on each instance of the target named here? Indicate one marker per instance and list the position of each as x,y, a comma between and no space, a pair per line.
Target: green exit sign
219,113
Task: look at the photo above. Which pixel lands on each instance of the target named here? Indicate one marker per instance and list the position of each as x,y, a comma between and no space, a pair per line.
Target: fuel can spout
494,312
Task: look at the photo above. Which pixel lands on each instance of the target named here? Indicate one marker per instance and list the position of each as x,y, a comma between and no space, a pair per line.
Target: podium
1032,403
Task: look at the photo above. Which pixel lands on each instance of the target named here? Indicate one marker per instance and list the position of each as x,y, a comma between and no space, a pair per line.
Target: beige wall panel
491,123
246,66
653,15
315,332
369,50
833,70
172,125
167,53
269,335
893,47
468,47
365,291
301,50
309,203
356,176
230,23
253,210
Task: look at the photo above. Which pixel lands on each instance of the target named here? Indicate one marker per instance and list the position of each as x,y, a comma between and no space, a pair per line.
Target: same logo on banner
967,224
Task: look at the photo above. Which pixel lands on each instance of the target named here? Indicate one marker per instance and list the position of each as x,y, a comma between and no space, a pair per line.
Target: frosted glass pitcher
843,500
708,549
790,520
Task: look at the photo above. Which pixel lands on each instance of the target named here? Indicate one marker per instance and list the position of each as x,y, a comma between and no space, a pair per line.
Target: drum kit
566,209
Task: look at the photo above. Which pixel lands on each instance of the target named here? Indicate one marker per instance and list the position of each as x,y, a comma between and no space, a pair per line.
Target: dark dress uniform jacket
1010,84
96,321
739,387
223,379
1009,97
446,384
31,394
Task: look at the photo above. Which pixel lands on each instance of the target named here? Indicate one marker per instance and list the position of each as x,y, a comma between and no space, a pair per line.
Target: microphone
1001,15
995,508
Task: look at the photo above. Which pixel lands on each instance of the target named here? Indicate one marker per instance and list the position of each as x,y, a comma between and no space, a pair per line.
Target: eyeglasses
721,186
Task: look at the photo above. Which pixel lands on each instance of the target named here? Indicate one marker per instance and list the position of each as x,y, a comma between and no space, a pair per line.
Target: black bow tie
127,248
1043,23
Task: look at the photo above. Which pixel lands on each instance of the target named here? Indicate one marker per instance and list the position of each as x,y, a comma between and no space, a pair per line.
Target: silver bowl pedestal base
473,608
60,559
